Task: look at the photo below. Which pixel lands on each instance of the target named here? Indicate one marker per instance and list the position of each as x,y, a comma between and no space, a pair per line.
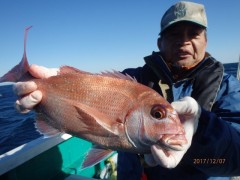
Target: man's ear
159,40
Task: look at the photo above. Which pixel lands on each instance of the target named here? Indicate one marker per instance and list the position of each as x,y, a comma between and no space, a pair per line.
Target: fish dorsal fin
113,74
117,74
86,112
44,128
69,69
95,155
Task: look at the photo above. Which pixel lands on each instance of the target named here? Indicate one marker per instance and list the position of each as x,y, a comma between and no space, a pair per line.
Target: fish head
154,121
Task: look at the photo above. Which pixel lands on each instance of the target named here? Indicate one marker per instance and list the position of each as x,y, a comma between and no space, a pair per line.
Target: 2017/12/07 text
209,161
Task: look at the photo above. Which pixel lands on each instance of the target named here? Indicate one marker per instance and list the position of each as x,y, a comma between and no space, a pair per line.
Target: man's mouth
183,53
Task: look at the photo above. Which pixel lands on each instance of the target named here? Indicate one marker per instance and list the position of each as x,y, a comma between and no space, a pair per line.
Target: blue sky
98,35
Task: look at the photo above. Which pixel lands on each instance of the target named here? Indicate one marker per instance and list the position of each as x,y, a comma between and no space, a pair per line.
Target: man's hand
189,112
28,92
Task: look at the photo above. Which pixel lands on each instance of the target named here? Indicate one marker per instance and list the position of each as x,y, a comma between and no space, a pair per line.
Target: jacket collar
158,65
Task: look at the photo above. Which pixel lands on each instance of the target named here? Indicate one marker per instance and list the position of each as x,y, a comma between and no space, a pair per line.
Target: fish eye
158,115
157,112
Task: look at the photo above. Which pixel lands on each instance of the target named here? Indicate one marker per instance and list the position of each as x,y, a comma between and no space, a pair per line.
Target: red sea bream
111,110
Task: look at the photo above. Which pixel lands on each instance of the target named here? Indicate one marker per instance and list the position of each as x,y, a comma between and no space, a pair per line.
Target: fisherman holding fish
206,99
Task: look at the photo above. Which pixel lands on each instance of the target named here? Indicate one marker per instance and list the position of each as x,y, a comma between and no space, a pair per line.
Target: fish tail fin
21,70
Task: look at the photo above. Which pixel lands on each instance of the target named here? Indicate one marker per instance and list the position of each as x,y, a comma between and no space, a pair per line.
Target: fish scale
91,94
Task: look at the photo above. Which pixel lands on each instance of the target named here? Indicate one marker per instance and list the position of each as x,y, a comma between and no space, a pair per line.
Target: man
181,68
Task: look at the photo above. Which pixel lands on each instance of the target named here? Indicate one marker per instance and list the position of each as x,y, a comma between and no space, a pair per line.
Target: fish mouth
170,147
173,142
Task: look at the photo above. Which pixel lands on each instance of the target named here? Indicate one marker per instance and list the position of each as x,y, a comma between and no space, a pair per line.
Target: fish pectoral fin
95,155
102,119
44,128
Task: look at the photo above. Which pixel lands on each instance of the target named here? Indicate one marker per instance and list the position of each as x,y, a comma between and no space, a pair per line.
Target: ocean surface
17,129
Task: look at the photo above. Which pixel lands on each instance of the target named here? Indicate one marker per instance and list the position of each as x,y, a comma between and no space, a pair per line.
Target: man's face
183,45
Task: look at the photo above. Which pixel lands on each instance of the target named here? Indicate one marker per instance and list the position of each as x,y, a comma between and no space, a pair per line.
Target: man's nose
183,38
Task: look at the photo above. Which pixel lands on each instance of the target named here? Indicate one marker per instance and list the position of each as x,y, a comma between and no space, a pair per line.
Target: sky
98,35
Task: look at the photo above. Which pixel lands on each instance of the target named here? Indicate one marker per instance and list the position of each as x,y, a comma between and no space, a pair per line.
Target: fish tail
20,71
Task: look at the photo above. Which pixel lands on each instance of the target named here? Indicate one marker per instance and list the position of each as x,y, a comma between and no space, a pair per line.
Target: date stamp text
209,161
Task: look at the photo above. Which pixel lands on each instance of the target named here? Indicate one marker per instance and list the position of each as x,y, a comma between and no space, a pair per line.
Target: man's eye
193,34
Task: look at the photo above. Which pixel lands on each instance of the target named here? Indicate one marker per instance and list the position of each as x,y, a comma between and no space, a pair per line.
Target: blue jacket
215,149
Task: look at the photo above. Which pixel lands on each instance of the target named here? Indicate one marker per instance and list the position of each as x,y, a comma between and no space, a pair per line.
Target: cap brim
182,20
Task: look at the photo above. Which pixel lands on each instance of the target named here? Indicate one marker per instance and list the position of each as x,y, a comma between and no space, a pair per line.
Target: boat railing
25,152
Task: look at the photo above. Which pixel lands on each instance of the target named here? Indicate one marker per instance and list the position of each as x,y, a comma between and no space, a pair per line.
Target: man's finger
186,105
28,102
42,72
22,88
163,157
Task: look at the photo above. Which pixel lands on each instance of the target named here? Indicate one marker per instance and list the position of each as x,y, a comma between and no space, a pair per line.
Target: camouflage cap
184,11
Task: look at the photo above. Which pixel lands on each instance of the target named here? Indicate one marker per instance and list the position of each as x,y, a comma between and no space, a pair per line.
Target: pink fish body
110,110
